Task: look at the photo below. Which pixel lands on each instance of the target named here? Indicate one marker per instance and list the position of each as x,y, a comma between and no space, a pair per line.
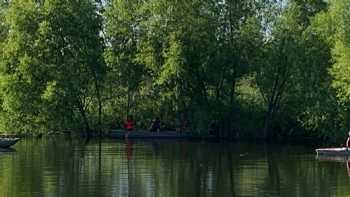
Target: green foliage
340,50
85,65
332,27
47,68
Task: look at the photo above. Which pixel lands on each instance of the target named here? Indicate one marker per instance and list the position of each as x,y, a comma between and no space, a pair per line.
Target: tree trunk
100,117
268,119
85,119
99,108
128,102
233,89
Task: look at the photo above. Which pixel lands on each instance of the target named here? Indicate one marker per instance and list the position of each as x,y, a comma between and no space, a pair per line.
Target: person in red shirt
129,124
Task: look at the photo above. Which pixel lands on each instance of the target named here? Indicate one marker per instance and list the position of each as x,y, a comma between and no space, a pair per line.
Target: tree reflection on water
67,168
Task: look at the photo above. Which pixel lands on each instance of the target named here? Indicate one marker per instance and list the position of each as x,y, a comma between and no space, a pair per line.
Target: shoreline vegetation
271,70
299,140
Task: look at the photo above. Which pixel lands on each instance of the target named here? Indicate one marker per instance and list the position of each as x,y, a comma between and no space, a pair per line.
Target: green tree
334,25
125,74
309,8
52,63
195,52
282,58
299,88
18,91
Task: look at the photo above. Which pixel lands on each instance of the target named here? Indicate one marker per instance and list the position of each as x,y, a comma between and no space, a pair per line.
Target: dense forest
257,68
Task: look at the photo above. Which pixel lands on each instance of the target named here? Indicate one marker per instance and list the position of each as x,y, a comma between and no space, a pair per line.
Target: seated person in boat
213,128
182,124
185,125
128,124
155,127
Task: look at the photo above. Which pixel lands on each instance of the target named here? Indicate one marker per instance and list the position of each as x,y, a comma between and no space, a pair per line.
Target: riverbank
143,135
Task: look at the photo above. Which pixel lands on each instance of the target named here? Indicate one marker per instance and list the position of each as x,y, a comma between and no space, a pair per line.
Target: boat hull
333,151
8,142
333,158
119,134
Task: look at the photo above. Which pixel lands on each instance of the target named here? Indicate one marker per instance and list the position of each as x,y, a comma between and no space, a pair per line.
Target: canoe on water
120,134
333,151
7,142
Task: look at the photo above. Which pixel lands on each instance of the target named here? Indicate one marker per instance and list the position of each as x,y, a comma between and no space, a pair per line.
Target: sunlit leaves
51,47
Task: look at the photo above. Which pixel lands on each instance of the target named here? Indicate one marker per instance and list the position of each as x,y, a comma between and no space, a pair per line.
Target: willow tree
195,51
19,93
72,35
294,79
282,59
239,35
51,63
333,25
125,74
180,45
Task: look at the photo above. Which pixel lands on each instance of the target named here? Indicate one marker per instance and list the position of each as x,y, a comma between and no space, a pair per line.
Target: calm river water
66,168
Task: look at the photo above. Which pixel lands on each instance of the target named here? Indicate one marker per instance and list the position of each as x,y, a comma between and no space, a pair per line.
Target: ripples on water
166,169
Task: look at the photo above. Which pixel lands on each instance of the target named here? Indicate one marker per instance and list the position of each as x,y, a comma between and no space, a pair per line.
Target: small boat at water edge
333,151
121,134
7,142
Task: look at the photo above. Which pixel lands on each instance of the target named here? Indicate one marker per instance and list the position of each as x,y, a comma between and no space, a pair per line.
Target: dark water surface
66,168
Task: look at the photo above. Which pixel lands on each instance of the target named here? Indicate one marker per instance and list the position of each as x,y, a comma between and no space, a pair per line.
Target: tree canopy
255,68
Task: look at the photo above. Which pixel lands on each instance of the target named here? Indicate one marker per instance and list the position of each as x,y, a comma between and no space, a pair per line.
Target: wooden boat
7,142
333,151
121,134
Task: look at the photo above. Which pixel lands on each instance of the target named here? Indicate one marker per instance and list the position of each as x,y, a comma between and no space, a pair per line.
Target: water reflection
128,149
7,150
339,159
67,168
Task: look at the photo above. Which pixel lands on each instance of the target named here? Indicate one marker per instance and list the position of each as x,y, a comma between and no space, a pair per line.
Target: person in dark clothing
155,127
184,124
213,128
